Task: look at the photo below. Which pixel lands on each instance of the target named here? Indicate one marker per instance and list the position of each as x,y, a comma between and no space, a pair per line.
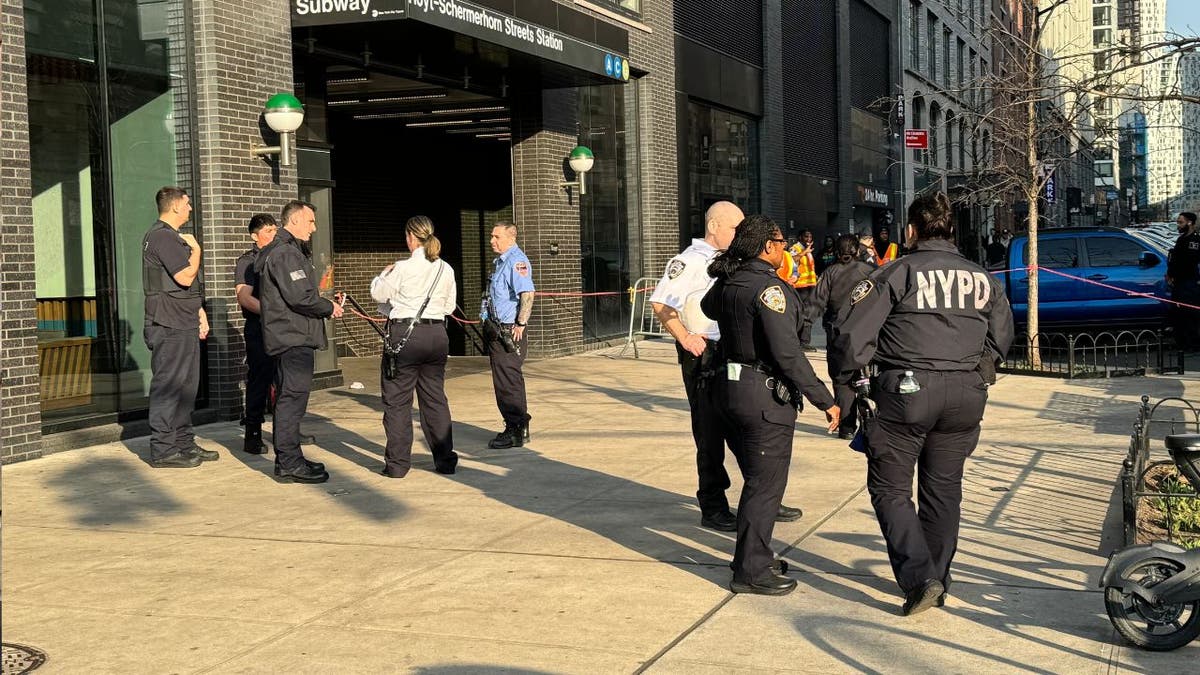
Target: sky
1183,16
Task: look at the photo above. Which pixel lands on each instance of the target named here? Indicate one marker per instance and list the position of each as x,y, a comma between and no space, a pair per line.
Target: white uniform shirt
402,291
683,287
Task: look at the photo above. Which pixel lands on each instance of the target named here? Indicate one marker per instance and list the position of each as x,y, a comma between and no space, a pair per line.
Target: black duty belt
418,321
757,366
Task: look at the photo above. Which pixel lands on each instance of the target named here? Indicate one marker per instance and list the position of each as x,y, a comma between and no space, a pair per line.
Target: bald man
676,303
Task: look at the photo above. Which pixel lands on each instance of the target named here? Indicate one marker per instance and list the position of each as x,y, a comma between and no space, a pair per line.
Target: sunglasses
778,241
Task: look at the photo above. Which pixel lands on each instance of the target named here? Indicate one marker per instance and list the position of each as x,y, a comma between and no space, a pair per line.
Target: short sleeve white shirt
683,286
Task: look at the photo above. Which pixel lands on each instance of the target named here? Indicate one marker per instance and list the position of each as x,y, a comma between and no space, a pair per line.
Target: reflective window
720,147
610,232
1113,252
627,6
1056,254
104,137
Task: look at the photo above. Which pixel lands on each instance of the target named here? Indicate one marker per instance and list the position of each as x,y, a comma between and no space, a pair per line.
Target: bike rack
1137,463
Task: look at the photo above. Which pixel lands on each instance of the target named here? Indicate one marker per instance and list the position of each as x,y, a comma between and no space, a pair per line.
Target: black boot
511,436
254,442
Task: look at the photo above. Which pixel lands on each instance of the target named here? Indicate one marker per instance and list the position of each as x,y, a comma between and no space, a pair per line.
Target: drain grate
22,659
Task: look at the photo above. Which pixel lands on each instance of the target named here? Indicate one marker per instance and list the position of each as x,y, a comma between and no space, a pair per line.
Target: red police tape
1126,291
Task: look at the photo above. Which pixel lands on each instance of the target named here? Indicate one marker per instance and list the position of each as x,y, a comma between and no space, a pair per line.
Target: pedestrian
803,280
417,293
758,390
934,324
293,314
886,250
175,323
830,300
827,255
260,368
996,252
676,302
1183,276
866,248
509,304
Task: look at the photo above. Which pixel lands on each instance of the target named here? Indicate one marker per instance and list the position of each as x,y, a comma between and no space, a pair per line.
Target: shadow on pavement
130,498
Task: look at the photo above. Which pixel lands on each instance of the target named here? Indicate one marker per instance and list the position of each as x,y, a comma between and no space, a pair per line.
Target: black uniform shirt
244,274
292,308
165,254
832,295
760,318
930,310
1185,258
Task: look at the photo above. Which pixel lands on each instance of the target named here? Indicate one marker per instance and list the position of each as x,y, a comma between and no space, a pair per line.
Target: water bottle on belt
909,384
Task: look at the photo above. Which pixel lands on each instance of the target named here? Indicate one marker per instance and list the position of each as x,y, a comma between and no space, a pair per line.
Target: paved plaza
580,553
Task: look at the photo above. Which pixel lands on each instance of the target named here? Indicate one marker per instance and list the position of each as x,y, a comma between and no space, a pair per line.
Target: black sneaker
505,439
922,597
304,474
178,460
204,455
722,521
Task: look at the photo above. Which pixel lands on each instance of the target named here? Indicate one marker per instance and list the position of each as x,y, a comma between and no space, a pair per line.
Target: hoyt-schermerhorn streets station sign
604,53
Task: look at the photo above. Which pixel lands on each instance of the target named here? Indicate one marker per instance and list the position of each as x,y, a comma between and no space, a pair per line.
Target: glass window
1113,252
721,152
1056,254
610,231
96,169
914,34
931,33
628,6
946,57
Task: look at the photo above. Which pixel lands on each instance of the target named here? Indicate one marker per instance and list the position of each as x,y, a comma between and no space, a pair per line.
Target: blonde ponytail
421,228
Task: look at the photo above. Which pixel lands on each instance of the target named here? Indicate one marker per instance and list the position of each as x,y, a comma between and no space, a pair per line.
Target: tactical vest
156,280
890,254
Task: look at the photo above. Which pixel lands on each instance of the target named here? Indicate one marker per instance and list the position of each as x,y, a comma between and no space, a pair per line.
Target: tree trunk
1032,192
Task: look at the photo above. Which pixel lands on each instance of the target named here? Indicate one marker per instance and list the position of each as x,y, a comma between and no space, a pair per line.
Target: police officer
260,368
830,299
506,316
1183,276
292,314
417,294
676,302
175,322
758,389
934,324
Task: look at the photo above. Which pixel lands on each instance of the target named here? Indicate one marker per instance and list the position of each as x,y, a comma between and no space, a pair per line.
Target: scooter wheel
1153,627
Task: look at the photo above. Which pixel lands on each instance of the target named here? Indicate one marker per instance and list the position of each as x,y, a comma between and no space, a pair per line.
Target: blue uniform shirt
511,275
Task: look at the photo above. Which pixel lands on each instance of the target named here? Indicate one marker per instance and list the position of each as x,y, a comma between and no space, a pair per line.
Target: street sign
1112,194
916,139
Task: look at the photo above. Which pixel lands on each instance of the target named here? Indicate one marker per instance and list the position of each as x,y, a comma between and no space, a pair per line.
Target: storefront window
722,156
609,222
108,120
627,6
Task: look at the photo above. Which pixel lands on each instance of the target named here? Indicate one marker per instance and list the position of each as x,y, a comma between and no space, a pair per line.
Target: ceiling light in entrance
500,137
443,123
347,80
477,130
388,116
456,111
353,101
412,97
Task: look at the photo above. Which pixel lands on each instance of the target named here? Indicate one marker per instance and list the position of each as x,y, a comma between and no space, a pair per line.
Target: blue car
1118,261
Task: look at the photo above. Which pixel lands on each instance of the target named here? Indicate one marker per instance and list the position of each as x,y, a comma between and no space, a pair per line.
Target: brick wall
657,136
20,414
543,133
355,270
241,58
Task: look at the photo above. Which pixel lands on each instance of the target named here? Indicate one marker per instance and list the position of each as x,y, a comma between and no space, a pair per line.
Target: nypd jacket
292,309
760,316
832,295
930,310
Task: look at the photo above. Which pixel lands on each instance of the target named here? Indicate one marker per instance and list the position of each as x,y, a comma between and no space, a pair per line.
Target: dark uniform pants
260,373
806,298
1186,321
932,431
508,380
421,365
174,380
294,375
845,398
707,429
760,434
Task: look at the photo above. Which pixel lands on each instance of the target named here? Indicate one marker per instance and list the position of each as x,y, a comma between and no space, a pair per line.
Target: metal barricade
642,321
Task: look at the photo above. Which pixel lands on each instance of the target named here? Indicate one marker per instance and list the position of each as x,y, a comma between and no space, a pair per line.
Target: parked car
1121,260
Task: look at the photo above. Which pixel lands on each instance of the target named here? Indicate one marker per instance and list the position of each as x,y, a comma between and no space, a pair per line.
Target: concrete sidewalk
581,553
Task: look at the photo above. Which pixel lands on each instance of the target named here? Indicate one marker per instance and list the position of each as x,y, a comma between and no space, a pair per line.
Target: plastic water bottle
909,384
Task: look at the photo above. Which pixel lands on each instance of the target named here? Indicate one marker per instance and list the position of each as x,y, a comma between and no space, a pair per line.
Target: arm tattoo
525,308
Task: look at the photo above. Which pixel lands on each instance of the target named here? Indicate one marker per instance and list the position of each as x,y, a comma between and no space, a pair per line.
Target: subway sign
473,20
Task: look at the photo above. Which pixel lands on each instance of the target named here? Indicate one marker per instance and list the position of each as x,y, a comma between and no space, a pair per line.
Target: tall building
947,52
1174,141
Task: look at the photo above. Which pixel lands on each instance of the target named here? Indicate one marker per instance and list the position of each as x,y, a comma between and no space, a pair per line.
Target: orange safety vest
806,269
889,255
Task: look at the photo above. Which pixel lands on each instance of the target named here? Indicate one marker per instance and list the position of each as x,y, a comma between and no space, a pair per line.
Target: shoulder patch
298,275
861,290
675,268
522,268
774,299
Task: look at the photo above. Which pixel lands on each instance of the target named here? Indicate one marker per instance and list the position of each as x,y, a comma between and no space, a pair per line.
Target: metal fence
642,321
1085,355
1138,465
